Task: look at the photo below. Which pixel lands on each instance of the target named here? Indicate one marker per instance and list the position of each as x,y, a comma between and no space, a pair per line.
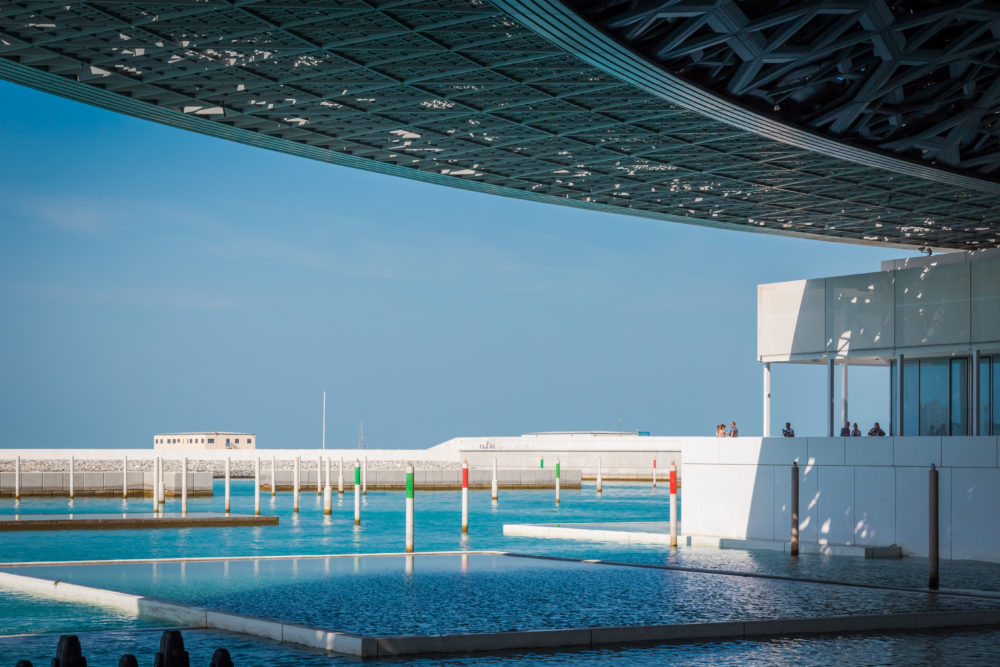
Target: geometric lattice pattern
457,92
915,78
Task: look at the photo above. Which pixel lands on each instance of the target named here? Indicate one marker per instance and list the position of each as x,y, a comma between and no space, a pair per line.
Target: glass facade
995,396
984,396
936,396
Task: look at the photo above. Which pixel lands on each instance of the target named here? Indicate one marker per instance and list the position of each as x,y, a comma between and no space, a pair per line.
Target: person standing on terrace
788,431
856,432
845,432
876,430
733,431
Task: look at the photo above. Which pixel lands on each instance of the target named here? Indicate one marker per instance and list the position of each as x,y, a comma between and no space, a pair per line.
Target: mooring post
600,484
654,473
184,486
274,475
319,475
156,486
256,486
228,477
295,486
465,496
125,477
327,491
409,508
340,477
541,463
932,521
162,491
17,477
557,481
794,550
364,477
72,475
673,505
493,484
357,492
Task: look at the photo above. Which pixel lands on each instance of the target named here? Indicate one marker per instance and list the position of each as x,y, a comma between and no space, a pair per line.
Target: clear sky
153,280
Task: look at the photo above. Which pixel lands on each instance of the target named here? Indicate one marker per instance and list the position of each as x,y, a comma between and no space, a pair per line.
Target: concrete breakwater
102,483
239,467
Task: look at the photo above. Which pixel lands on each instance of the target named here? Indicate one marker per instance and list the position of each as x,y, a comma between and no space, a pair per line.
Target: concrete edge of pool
364,646
124,522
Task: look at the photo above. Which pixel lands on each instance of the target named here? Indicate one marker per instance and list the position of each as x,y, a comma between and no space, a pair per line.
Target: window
911,397
237,441
984,397
995,394
211,441
249,441
933,397
959,397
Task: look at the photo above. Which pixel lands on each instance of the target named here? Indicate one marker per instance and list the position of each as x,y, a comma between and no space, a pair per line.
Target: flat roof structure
593,105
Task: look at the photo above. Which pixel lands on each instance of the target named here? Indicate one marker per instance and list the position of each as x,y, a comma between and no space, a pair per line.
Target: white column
228,477
364,477
829,397
274,475
184,486
124,477
156,487
767,399
72,476
843,391
162,490
17,477
340,477
600,482
256,486
319,475
493,484
327,492
295,487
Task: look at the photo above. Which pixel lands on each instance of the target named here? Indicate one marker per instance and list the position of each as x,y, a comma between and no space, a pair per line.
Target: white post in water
673,505
17,477
184,486
357,492
162,491
72,471
364,478
654,473
409,508
327,492
228,476
494,483
340,477
600,484
295,488
465,496
319,475
124,477
256,486
274,475
557,481
156,486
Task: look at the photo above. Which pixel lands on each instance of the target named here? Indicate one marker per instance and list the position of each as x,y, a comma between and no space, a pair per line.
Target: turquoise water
444,594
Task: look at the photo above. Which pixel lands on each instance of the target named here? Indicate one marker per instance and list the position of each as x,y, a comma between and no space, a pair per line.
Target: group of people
732,432
848,432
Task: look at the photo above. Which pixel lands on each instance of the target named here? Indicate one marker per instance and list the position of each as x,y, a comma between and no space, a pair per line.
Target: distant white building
205,440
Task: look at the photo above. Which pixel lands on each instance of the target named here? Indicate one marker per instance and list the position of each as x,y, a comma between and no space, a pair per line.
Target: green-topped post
409,508
357,492
557,480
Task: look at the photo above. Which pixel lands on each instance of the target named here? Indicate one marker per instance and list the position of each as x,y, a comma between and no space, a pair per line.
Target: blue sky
156,280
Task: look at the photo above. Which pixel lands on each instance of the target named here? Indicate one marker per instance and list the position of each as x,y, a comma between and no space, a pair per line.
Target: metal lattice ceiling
460,93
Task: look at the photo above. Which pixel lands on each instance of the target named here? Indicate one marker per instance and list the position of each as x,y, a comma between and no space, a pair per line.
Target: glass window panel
959,397
911,398
892,398
984,397
995,395
933,397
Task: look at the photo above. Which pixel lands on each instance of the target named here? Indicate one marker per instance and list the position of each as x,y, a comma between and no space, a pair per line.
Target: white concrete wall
933,308
861,491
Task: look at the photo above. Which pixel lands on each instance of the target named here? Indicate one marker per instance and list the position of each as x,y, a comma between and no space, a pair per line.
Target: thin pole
319,475
156,486
184,486
364,478
654,473
932,529
274,475
17,477
295,490
600,485
409,508
357,492
465,496
794,550
340,477
493,484
72,474
673,505
327,493
256,486
557,481
125,477
228,475
162,491
829,397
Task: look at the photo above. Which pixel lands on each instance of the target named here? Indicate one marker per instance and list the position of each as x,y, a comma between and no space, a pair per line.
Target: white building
205,440
935,321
